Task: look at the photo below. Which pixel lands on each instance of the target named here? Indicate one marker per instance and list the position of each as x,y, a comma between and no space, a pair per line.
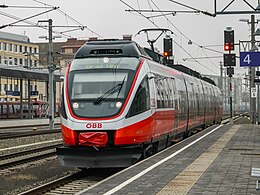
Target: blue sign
9,93
34,93
16,93
249,59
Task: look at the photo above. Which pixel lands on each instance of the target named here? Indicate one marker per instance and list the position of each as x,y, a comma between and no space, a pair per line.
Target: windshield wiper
110,91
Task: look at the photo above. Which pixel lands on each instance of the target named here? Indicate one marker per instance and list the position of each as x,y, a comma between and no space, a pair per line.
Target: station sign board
9,92
34,93
248,59
16,93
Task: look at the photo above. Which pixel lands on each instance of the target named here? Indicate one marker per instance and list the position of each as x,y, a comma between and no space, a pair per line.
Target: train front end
97,89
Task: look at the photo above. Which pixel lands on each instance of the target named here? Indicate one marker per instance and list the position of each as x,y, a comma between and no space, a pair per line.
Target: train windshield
99,87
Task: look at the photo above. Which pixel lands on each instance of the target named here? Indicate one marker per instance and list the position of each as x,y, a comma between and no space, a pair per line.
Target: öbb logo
93,125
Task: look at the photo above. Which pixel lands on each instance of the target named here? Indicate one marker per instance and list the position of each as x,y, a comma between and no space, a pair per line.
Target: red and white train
119,105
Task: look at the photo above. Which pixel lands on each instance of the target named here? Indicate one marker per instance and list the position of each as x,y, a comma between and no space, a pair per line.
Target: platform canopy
23,73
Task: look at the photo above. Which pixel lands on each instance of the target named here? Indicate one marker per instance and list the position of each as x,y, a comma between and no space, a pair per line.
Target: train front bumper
101,158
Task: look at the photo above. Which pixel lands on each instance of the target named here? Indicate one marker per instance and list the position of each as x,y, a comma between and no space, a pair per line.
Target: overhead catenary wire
22,7
72,19
22,20
177,30
30,24
185,37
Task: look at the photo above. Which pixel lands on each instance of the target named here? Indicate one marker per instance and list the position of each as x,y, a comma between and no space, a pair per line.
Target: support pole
230,100
258,100
221,80
29,99
21,98
252,75
50,67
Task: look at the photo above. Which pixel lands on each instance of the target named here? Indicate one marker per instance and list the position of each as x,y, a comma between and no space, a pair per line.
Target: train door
183,106
175,104
152,87
215,104
194,106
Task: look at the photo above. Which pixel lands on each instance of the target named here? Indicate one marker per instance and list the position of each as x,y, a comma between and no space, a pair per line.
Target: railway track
73,183
10,135
18,158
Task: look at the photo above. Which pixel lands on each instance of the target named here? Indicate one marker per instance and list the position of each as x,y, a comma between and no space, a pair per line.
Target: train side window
141,102
164,93
169,93
158,93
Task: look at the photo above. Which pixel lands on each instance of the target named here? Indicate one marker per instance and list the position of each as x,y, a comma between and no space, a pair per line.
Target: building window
15,87
5,60
5,87
15,48
15,61
10,61
30,51
0,46
5,47
21,61
35,63
25,48
11,87
10,47
0,63
21,48
35,50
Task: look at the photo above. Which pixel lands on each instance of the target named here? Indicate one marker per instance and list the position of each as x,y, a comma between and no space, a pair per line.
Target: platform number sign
249,59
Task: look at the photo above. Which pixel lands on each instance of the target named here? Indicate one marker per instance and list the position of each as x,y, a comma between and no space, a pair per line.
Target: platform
217,160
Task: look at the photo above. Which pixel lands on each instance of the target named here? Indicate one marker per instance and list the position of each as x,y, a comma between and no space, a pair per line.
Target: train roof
191,72
124,48
128,48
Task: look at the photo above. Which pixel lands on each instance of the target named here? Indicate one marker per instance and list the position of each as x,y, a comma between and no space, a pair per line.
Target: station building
24,73
16,51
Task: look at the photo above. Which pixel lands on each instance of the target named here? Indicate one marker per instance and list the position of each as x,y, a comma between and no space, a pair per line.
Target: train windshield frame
98,87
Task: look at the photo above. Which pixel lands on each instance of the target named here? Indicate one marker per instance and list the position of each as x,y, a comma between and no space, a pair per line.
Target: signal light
229,40
167,47
227,47
166,54
229,60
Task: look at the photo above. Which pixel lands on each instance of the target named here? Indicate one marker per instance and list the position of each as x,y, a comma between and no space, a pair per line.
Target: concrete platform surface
217,160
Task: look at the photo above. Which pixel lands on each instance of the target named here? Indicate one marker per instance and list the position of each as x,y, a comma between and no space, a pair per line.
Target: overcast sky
108,18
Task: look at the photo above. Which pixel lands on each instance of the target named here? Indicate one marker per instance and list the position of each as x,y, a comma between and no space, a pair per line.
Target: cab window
141,102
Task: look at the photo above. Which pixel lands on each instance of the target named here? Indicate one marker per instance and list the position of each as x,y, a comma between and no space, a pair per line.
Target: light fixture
257,8
257,32
244,20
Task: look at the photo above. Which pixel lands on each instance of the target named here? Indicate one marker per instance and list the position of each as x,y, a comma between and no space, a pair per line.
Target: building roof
14,37
34,74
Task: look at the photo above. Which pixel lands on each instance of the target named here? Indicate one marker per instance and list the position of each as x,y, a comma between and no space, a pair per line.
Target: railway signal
167,47
229,40
229,59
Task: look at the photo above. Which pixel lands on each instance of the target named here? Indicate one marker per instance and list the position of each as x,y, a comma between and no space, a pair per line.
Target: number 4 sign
249,59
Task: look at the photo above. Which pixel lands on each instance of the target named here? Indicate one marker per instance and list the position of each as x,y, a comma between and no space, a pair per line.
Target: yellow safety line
182,183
